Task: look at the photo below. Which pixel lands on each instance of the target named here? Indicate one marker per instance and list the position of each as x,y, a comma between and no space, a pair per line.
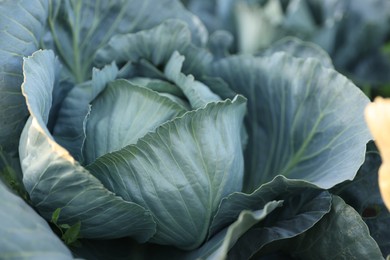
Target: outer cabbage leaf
54,179
299,214
246,220
364,196
253,231
80,28
21,26
181,171
24,234
219,245
304,121
216,248
279,188
341,234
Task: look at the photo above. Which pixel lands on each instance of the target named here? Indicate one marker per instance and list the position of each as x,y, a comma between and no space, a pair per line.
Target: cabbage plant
354,33
146,138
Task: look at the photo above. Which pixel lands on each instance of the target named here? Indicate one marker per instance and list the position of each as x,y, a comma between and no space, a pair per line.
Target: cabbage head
136,125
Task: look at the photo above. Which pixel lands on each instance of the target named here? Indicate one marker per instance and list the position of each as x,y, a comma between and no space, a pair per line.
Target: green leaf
11,173
64,226
55,180
55,216
72,233
22,24
341,234
181,171
80,28
304,121
121,115
24,234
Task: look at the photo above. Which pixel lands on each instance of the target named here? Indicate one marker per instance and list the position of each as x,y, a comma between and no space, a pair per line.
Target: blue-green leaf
215,248
341,234
79,28
364,196
304,121
196,92
300,213
250,232
300,49
24,234
246,220
158,85
218,246
219,44
217,15
279,188
143,57
171,35
69,129
22,24
121,115
181,171
54,179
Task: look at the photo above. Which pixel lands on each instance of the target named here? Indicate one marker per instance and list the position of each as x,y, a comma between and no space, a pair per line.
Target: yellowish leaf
378,120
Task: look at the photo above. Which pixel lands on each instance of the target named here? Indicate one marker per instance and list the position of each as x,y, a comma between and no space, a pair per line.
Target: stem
76,50
55,36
